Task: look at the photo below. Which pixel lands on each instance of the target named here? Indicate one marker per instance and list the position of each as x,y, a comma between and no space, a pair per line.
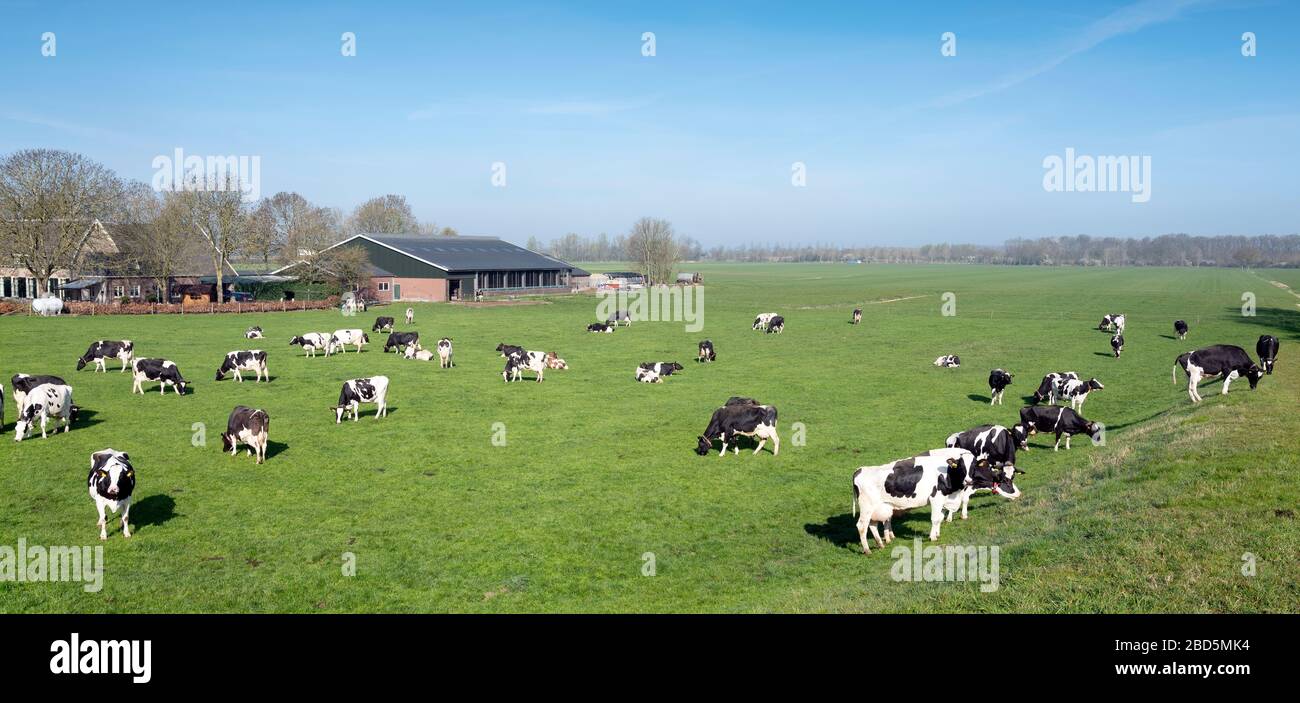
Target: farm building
624,279
441,268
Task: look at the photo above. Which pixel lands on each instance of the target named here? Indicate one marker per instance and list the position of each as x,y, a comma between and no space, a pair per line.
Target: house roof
464,254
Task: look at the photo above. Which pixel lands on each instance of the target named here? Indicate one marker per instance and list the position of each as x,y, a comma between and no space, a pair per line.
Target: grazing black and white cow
250,360
1050,387
857,315
706,352
160,370
776,325
1107,322
1061,421
24,383
944,478
1077,391
763,319
1221,359
1119,324
312,341
1117,344
998,382
993,442
622,316
1266,348
111,483
645,375
48,400
362,390
517,364
382,324
600,327
1113,322
1180,329
949,361
743,418
253,333
410,316
247,426
342,338
509,350
444,353
663,368
397,340
102,350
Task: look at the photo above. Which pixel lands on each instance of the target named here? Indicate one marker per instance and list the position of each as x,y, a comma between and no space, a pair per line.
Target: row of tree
1082,250
49,200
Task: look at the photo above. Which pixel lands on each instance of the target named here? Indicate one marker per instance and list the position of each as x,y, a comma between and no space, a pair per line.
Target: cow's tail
854,508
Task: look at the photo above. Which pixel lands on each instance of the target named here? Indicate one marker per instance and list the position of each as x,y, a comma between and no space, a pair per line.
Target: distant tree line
1081,250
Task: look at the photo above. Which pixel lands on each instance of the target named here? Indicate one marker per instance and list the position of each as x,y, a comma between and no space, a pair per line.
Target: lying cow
1077,391
742,419
998,382
1218,360
648,375
444,353
111,483
253,333
362,390
944,478
312,341
762,320
950,361
663,368
1050,387
1117,344
418,354
857,315
382,324
706,352
397,340
43,402
247,426
600,327
410,316
1266,348
251,360
553,361
1180,329
1060,421
23,384
160,370
103,350
342,338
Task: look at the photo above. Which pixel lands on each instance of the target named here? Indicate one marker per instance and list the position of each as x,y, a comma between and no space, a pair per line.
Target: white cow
341,338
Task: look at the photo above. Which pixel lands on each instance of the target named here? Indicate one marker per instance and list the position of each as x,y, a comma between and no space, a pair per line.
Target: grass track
598,470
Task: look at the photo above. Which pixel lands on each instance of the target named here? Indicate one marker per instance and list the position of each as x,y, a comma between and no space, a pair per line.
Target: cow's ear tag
952,463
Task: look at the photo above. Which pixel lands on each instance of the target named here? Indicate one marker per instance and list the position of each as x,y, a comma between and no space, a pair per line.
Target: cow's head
181,385
1000,477
1094,385
81,363
27,417
1094,431
112,474
1021,436
338,413
704,446
365,338
1253,374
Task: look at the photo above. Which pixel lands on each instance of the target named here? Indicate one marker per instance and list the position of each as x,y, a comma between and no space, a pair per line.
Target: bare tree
217,217
153,239
49,203
345,267
388,214
652,246
288,227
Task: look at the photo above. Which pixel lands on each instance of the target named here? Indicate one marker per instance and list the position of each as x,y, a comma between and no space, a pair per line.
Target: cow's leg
965,503
126,513
1057,446
1193,378
761,441
1226,380
238,376
103,532
936,517
864,524
1067,440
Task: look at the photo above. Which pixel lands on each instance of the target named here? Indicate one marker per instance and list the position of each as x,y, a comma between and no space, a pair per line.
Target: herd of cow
979,459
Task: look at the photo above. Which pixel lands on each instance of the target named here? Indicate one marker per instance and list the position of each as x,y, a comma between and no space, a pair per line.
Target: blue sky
901,144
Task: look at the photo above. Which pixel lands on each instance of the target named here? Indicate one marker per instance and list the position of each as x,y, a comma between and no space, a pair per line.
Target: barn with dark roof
443,268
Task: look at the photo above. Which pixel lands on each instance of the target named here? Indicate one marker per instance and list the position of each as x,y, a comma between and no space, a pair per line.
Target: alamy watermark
1098,174
954,562
60,563
653,304
178,172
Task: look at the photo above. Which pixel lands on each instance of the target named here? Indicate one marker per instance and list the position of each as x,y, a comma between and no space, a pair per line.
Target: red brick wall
422,289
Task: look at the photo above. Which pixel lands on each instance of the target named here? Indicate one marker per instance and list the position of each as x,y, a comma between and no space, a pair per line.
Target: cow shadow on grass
1279,322
85,418
274,448
979,398
842,530
152,510
1103,354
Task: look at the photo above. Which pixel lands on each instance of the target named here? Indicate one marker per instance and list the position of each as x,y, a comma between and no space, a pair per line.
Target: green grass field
597,470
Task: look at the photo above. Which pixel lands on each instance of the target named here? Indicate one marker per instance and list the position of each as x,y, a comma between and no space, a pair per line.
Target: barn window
118,291
383,286
135,291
